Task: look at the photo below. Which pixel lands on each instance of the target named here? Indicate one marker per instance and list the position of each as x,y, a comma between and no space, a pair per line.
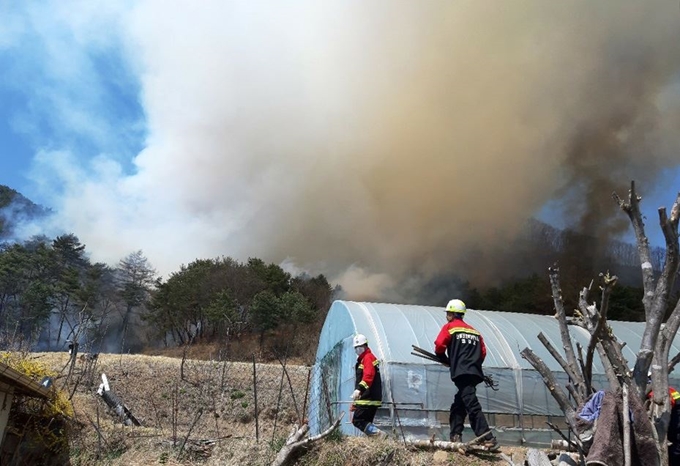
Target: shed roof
22,383
391,329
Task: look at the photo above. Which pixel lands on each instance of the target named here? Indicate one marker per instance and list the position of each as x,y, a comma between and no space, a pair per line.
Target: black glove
444,359
489,382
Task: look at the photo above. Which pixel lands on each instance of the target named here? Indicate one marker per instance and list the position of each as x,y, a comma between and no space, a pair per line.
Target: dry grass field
202,412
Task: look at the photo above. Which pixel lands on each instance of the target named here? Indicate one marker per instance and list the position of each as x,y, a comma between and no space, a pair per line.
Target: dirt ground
202,412
361,451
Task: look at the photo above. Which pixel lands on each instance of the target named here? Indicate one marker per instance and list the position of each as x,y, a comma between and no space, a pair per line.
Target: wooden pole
626,426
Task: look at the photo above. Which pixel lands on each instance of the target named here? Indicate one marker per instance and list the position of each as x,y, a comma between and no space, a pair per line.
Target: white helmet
457,306
360,340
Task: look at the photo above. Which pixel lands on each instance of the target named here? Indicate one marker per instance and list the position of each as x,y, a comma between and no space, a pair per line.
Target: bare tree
656,339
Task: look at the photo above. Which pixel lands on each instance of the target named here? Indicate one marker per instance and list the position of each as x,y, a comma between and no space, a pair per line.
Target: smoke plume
379,141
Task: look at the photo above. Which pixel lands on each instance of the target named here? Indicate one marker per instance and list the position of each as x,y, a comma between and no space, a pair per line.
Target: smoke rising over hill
374,141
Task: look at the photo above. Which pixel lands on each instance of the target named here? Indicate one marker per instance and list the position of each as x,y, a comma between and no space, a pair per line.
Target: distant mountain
16,208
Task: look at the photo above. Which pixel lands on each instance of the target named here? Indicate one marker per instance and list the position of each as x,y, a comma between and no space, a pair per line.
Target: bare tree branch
588,319
651,347
576,443
656,339
596,334
671,266
673,362
554,273
461,447
579,354
549,379
296,441
558,357
632,209
609,349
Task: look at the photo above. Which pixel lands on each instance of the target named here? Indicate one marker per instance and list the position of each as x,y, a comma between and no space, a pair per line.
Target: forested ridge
14,209
51,292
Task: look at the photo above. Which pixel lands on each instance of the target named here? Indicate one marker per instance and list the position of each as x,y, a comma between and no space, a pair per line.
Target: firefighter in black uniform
466,352
674,429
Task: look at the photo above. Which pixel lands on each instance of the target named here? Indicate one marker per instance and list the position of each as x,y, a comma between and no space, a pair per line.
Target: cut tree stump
297,441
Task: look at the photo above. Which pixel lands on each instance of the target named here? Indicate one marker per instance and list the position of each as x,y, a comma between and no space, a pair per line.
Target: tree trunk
297,442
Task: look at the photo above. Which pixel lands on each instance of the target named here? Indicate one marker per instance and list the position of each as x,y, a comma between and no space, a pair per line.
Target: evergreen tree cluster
223,298
51,293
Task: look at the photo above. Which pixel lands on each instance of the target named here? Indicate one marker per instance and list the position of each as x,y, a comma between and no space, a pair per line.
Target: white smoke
366,140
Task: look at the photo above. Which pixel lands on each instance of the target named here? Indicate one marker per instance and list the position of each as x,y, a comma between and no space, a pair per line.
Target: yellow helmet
457,306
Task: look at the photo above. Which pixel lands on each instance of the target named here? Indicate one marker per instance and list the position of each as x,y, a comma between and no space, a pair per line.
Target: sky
371,141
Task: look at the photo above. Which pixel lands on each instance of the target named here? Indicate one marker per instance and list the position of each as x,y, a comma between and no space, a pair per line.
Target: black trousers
465,403
674,436
674,455
363,416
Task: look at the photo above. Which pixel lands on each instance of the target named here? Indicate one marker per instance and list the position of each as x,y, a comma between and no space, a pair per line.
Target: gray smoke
378,141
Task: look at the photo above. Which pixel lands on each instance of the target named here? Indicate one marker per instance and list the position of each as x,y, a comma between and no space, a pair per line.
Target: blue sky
62,91
253,129
25,129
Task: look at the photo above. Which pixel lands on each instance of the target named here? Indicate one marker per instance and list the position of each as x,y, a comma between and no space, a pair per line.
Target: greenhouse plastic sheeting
423,390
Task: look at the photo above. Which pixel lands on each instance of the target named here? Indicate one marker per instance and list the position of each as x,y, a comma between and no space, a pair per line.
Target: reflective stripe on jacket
674,396
368,380
465,347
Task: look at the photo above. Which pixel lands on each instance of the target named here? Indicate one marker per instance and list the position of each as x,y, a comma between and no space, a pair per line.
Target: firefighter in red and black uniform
673,434
462,347
367,395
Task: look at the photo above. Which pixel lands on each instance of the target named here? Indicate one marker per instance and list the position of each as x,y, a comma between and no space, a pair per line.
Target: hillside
210,404
16,208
